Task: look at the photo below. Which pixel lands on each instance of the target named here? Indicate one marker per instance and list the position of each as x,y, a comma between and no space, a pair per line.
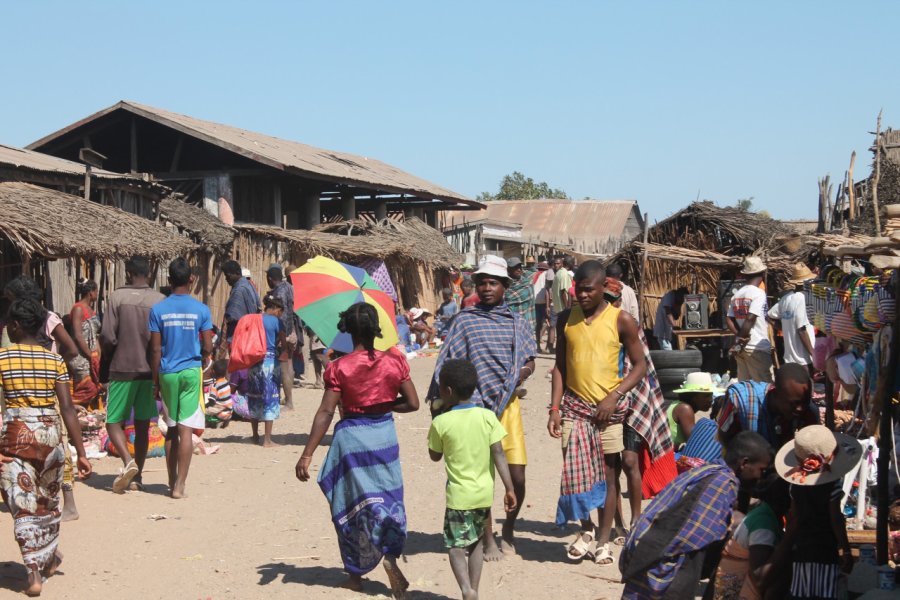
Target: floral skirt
31,483
264,390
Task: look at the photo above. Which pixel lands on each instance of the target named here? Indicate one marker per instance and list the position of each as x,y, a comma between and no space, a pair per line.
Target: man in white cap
799,334
501,346
747,321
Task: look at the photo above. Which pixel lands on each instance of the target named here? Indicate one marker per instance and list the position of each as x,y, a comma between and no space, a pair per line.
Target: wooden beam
176,156
134,147
643,282
851,195
877,175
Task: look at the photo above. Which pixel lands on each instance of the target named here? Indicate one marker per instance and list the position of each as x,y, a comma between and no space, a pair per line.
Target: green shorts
123,396
182,395
462,528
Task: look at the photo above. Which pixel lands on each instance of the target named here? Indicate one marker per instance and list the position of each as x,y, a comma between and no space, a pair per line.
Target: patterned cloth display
378,271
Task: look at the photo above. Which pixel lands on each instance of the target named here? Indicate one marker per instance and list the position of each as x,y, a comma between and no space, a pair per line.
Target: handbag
248,346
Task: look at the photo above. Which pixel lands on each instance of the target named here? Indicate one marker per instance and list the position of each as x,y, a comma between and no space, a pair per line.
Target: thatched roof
727,230
45,222
206,230
346,240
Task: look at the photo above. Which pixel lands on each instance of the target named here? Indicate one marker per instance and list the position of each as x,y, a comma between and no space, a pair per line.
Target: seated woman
424,332
747,556
696,395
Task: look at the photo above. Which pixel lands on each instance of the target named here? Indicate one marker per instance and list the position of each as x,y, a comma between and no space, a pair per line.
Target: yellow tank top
592,354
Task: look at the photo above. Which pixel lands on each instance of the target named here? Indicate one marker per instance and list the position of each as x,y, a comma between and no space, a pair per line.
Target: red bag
248,346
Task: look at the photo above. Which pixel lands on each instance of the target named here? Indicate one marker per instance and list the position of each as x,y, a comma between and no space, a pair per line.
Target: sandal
122,482
580,546
620,535
603,555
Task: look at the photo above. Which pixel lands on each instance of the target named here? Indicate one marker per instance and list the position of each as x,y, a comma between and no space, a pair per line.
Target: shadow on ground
105,482
329,577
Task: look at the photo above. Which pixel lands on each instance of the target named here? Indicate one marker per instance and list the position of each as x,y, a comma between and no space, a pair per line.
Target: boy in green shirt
468,437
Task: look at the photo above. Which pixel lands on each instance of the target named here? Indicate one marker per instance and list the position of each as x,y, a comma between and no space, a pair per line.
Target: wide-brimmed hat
415,313
530,260
817,456
753,265
699,383
513,262
493,266
800,274
543,266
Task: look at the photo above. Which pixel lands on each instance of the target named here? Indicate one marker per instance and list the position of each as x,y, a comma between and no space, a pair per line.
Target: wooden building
247,177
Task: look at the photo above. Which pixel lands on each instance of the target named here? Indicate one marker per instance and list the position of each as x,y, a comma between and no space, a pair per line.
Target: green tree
744,204
516,186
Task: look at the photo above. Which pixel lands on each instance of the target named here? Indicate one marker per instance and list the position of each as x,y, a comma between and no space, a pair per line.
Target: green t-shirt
464,435
562,281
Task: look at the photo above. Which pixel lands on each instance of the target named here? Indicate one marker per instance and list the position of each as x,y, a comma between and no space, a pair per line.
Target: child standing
468,437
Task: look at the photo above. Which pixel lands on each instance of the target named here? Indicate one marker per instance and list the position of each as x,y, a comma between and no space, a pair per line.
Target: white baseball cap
493,266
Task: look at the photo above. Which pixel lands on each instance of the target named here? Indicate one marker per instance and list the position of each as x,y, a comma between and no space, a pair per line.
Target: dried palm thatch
207,231
726,230
348,240
45,222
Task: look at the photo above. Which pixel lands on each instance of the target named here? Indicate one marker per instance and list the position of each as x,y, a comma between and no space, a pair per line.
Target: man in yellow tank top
587,388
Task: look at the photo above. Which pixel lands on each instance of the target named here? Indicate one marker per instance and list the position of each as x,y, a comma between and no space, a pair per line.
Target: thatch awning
205,229
678,254
45,222
346,240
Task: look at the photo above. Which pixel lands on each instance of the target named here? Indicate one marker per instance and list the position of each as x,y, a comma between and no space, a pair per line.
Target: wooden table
682,335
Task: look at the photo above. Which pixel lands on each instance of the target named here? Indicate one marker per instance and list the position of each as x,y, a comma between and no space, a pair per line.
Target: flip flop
121,483
580,546
603,555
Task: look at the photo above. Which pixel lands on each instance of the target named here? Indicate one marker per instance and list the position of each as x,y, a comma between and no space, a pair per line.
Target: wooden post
380,208
313,207
642,284
850,195
824,193
87,182
884,393
877,176
134,147
348,205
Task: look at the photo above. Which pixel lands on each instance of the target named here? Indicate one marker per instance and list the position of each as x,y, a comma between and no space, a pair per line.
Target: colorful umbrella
324,288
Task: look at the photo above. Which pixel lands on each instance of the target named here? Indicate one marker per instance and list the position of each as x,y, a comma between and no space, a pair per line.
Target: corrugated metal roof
585,225
21,158
285,155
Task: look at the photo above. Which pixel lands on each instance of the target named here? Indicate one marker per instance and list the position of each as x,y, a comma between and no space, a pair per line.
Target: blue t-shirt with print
179,319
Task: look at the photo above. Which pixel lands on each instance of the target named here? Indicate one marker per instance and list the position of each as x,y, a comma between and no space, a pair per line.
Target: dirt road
250,530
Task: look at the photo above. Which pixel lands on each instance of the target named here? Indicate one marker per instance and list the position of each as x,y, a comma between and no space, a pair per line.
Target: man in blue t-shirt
180,342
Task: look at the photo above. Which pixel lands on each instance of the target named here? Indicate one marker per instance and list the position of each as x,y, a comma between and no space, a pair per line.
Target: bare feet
399,584
254,440
178,492
353,583
270,444
470,595
491,551
35,584
54,565
70,511
507,545
288,407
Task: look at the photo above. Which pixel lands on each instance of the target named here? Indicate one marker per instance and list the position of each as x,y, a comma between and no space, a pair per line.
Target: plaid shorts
462,528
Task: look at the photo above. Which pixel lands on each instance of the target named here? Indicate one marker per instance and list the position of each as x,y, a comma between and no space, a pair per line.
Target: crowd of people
751,501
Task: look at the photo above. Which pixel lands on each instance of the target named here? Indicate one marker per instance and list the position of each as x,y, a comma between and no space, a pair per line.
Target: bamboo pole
877,175
850,193
643,283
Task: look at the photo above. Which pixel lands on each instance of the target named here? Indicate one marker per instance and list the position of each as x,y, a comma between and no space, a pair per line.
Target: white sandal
580,546
603,555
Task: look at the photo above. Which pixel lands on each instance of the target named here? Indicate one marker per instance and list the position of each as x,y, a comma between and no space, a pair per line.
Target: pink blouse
367,382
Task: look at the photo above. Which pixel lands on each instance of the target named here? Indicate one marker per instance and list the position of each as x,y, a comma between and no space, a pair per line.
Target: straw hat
753,265
699,383
800,274
529,260
493,266
817,456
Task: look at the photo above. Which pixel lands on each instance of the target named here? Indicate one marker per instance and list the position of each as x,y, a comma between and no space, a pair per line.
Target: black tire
676,359
674,377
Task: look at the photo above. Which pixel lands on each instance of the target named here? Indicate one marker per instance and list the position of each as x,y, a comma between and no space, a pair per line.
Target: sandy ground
250,530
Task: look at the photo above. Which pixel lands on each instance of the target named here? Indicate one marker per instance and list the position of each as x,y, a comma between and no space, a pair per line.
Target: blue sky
649,100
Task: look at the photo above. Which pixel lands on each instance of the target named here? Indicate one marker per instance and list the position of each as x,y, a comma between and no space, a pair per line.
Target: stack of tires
672,366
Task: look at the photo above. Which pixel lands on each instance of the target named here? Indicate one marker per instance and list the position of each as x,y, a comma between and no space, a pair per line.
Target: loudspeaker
727,289
696,311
